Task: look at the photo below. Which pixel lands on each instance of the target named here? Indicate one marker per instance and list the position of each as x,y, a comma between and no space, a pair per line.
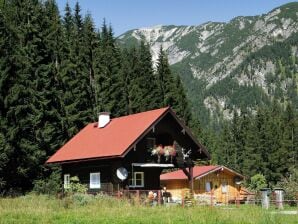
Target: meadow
46,209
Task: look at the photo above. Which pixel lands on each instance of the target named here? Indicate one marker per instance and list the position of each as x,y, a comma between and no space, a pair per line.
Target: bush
75,186
257,182
51,185
76,193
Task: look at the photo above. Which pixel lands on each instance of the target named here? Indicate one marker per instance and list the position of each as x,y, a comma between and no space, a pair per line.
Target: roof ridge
143,112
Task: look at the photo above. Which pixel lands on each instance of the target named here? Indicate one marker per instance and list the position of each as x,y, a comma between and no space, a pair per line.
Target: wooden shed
217,183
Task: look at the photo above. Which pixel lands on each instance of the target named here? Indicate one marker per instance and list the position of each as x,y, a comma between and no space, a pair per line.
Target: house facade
217,183
141,144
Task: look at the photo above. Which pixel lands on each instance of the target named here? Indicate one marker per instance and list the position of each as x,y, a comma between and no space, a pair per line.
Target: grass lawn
44,209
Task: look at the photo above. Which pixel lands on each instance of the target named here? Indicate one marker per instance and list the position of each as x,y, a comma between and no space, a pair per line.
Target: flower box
164,152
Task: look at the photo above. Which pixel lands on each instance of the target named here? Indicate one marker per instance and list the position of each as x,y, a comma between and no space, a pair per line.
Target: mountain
242,64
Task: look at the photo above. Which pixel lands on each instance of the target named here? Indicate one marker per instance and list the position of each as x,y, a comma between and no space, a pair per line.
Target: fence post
182,199
138,196
159,197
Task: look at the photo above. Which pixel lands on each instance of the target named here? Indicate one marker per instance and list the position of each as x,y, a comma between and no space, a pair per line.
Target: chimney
103,119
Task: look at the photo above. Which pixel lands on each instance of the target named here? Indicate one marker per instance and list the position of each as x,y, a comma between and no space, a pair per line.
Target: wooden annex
217,183
143,144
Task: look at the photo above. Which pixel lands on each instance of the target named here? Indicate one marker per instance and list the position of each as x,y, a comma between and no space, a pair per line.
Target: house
218,182
129,151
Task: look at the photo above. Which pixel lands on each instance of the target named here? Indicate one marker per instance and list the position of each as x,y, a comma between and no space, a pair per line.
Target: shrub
75,186
257,182
51,185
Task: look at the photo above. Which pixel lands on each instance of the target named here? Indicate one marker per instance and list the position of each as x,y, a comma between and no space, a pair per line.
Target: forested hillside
224,66
57,74
58,71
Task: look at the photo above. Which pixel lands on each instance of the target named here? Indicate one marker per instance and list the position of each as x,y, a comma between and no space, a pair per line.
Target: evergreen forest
58,71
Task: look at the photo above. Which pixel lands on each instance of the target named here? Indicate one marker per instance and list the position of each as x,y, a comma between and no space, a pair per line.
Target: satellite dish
122,173
237,180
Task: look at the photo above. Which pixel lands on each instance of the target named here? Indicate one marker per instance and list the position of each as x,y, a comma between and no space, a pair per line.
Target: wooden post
238,199
211,204
159,197
182,199
191,179
138,196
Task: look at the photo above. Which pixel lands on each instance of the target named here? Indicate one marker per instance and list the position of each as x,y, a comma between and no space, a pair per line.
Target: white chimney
103,119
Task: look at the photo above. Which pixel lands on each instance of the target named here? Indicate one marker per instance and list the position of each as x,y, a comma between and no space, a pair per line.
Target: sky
126,15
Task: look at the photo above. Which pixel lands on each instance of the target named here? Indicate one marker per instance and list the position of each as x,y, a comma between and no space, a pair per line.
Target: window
137,179
208,186
150,143
94,180
224,187
66,181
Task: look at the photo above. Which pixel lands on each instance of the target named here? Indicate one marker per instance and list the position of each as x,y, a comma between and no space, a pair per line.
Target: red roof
113,140
197,172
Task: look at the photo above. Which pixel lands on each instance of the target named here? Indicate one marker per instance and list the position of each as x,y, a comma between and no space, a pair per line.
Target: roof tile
111,141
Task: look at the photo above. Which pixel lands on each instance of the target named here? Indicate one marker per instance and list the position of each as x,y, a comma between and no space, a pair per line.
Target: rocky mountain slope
231,66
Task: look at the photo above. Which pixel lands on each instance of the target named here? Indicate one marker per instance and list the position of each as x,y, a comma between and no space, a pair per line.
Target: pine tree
7,43
146,79
170,89
226,154
107,75
74,75
165,80
50,134
23,103
89,46
289,134
181,106
129,74
68,22
251,155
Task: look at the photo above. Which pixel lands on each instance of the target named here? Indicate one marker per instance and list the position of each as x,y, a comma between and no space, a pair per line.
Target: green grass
43,209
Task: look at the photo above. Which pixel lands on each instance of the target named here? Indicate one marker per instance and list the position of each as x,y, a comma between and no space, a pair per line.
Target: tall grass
45,209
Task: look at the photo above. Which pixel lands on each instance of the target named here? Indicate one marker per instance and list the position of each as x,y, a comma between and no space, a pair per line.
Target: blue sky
125,15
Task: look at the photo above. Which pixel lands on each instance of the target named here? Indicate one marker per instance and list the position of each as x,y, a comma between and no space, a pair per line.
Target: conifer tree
7,41
170,89
252,158
181,106
77,94
165,80
146,80
50,135
107,75
89,46
290,139
129,74
23,102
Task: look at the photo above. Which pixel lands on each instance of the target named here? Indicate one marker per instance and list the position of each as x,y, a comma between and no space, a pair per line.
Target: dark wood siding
107,169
